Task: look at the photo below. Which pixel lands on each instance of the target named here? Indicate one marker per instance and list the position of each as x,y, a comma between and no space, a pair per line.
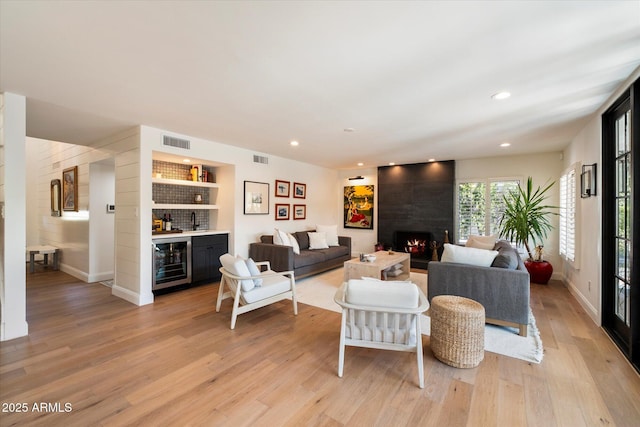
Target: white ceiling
414,79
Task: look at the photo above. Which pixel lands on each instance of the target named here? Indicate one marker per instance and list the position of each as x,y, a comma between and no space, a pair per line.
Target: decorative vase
539,271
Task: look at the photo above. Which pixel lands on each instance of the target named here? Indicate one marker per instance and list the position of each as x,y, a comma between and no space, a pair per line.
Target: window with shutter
471,209
498,189
480,206
567,226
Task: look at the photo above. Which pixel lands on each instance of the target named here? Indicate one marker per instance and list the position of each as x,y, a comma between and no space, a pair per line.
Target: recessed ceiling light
186,160
392,163
505,144
432,160
501,95
360,164
295,143
349,130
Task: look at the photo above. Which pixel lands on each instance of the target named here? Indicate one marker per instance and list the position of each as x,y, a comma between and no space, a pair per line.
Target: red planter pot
540,271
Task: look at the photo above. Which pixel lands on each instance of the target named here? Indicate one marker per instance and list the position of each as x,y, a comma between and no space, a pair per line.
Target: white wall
102,223
13,305
362,241
585,282
33,147
129,241
543,168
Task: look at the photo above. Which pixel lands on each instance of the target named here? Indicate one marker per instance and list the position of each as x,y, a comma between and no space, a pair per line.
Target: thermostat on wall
111,208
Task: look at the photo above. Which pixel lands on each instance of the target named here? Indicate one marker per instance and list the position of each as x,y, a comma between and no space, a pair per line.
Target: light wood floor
176,362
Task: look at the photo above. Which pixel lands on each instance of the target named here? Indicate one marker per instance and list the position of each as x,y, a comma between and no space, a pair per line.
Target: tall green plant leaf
526,217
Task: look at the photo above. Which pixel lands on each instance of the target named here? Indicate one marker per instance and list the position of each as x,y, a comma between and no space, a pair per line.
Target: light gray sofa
503,291
308,262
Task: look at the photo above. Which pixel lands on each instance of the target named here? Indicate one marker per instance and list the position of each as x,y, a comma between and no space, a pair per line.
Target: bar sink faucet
193,221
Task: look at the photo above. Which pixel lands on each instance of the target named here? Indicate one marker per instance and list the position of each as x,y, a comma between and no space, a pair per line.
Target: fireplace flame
415,246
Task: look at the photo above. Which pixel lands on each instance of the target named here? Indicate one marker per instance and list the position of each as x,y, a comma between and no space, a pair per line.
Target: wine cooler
171,262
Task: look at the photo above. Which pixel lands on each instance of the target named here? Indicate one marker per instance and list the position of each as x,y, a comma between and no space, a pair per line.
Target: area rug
320,289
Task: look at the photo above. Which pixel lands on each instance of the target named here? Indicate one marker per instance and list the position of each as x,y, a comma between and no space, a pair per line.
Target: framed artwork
282,211
70,189
282,188
256,198
56,197
358,206
299,211
299,190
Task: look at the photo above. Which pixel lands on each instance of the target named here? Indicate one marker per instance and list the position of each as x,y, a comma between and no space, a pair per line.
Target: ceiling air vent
176,142
260,159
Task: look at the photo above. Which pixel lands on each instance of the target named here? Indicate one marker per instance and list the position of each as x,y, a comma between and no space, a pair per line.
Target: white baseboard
591,311
131,296
85,277
99,277
15,330
78,274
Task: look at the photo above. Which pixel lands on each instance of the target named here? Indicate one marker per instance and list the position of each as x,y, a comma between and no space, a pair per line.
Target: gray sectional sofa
503,290
308,262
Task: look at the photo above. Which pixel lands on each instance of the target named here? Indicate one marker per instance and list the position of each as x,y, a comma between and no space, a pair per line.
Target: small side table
457,331
42,250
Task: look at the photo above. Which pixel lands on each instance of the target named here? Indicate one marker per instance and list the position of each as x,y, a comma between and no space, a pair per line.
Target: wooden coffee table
356,269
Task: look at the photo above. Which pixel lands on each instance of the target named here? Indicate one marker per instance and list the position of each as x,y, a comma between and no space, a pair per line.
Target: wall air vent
260,159
176,142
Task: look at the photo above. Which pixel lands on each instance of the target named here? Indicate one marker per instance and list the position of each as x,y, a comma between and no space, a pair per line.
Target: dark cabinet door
205,254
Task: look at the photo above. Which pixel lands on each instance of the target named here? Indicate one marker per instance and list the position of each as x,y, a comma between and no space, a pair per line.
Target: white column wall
128,271
13,217
102,223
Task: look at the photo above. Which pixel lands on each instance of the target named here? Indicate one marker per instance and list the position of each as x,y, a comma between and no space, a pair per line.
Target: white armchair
252,288
382,315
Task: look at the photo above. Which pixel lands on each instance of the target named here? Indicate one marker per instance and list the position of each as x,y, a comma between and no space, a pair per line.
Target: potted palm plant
526,218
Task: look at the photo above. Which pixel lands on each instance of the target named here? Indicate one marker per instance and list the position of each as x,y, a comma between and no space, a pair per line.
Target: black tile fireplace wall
416,197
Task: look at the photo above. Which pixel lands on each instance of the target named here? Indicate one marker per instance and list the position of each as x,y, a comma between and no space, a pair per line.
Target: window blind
481,205
471,209
568,215
498,189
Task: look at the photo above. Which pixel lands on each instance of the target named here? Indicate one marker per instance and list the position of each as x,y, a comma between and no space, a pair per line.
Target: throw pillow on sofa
294,242
481,242
280,238
303,239
507,256
465,255
331,232
318,241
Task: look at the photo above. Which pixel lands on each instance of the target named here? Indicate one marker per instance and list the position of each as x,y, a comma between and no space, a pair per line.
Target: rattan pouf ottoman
457,331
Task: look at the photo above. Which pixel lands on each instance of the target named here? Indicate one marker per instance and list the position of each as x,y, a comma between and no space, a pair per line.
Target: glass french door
621,313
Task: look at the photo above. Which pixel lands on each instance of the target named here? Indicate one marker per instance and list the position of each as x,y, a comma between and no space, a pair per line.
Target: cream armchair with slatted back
252,288
383,315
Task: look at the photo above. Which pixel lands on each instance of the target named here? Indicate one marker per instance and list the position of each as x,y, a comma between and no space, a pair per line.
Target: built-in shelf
182,206
184,182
